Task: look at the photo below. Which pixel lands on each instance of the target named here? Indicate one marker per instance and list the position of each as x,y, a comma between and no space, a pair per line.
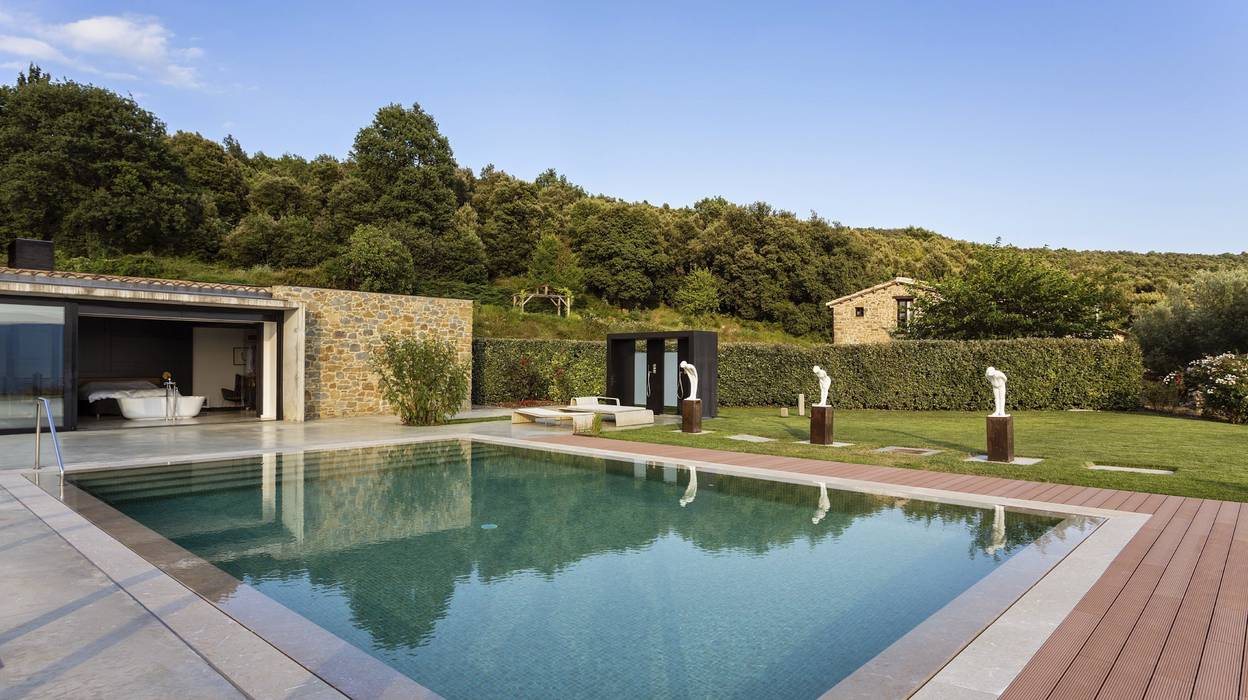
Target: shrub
1218,385
1045,374
1202,318
698,295
423,379
373,262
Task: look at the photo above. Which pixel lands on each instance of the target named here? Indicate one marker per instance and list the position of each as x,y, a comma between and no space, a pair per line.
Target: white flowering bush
1217,384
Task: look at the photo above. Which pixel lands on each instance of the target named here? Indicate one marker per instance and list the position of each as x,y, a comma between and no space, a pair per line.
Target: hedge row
1045,374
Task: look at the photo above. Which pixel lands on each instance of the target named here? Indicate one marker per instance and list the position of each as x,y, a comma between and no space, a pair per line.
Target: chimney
30,254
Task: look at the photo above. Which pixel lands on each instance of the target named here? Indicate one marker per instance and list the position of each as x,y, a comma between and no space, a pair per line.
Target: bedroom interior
123,363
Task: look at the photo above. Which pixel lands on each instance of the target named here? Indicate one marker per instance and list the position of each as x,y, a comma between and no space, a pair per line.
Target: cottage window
905,312
860,311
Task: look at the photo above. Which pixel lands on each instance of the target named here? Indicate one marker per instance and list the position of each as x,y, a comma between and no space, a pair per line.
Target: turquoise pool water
489,571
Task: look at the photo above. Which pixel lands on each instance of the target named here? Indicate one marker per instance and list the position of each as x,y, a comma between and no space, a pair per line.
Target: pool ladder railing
44,407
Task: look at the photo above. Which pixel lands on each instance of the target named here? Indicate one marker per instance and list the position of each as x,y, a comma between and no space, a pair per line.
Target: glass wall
32,362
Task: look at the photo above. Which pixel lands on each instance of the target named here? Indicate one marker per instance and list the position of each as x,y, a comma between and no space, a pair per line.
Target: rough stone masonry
343,327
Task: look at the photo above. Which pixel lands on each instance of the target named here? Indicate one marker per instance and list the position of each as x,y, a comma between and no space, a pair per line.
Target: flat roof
88,280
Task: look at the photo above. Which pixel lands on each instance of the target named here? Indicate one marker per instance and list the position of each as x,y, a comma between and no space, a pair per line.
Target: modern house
873,314
253,353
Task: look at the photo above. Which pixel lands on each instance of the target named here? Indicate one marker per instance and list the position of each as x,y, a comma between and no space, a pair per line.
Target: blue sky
1110,125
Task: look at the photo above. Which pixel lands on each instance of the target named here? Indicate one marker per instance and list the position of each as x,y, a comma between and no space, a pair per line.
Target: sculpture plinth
691,416
821,425
1000,438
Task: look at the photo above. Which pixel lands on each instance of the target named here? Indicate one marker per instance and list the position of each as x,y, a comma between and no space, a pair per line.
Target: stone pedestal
691,416
821,425
1000,438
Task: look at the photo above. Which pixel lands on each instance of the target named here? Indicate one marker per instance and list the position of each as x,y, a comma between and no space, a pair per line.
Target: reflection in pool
481,570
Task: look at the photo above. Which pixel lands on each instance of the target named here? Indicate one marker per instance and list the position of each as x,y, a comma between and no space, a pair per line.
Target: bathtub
155,407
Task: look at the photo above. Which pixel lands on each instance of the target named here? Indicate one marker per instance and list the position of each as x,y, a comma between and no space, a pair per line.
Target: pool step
182,479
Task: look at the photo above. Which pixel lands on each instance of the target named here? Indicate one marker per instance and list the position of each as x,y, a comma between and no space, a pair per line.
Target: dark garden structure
648,384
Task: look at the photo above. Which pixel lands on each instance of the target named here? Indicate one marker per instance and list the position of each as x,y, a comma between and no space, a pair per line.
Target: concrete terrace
1166,618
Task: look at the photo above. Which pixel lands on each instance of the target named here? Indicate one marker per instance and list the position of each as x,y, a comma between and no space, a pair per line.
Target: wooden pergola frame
561,300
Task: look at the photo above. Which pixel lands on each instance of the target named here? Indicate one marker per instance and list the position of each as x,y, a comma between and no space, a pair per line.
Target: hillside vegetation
99,175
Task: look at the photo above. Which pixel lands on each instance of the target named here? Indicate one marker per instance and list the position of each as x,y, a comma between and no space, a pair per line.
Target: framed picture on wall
242,357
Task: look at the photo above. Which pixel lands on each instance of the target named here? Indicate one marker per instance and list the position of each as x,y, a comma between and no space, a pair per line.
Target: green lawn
1210,459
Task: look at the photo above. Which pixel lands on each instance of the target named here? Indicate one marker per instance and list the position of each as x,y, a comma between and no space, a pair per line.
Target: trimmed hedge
508,371
1045,374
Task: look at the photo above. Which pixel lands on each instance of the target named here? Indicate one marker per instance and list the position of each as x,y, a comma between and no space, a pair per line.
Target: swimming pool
483,570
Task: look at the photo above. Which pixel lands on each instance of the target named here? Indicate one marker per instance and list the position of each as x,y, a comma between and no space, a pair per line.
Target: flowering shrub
1218,385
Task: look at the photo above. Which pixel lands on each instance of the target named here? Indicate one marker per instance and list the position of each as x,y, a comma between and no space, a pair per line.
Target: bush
1045,374
423,379
698,295
1218,385
1202,318
373,262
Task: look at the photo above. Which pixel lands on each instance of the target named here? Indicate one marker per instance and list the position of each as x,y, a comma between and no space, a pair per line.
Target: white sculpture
692,373
824,382
997,379
998,530
691,491
824,505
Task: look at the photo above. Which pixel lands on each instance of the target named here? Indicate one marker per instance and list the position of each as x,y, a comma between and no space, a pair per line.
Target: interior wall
213,364
127,348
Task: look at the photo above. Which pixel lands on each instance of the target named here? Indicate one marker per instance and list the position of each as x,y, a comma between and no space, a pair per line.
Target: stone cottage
871,315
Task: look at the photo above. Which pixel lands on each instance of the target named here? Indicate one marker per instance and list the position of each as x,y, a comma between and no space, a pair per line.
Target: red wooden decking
1168,618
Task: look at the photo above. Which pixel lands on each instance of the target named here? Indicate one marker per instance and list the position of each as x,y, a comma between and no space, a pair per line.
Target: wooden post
691,416
1001,439
821,427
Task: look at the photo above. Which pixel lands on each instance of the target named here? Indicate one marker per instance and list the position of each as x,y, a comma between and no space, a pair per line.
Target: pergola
701,348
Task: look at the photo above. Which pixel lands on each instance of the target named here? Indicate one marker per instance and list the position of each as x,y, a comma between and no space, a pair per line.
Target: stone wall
879,314
341,329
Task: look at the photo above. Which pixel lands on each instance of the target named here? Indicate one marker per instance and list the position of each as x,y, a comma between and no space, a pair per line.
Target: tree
510,217
454,256
410,167
698,294
211,170
1204,317
92,171
622,247
291,241
373,262
1006,293
554,263
278,195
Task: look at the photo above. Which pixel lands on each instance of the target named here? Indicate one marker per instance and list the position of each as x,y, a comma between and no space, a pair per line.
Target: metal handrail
42,405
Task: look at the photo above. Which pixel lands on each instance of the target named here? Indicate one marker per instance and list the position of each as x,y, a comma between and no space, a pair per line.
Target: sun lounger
610,408
580,420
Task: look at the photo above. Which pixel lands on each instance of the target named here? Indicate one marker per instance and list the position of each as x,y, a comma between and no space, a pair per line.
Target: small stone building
871,315
271,353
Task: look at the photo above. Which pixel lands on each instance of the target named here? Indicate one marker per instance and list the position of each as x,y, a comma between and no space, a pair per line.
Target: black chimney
30,254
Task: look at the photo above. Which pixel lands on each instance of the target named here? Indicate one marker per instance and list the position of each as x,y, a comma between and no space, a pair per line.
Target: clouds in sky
116,46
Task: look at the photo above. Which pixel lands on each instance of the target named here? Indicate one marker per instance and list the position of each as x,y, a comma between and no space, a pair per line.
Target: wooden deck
1167,619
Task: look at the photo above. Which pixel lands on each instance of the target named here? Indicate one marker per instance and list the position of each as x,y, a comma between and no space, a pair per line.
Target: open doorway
149,372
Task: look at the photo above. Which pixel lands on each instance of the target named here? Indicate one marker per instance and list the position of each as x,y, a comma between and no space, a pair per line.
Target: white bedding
125,389
127,394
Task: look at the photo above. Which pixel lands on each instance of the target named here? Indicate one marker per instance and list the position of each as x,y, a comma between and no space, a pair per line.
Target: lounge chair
580,420
610,408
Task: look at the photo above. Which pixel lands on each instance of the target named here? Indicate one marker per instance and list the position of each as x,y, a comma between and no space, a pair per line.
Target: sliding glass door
34,343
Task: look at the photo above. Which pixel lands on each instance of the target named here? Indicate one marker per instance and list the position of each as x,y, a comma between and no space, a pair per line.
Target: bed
98,397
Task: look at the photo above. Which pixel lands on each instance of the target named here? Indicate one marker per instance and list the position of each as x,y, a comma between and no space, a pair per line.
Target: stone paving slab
67,630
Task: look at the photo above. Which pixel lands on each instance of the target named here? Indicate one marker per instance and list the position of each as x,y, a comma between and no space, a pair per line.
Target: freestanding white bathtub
154,407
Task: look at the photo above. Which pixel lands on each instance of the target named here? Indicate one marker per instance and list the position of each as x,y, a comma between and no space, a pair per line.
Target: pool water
488,571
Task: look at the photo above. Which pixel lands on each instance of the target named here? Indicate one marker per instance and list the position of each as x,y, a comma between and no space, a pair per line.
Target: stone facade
871,315
341,329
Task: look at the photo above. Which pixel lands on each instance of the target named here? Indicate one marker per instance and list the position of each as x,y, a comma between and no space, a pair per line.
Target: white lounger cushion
581,420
